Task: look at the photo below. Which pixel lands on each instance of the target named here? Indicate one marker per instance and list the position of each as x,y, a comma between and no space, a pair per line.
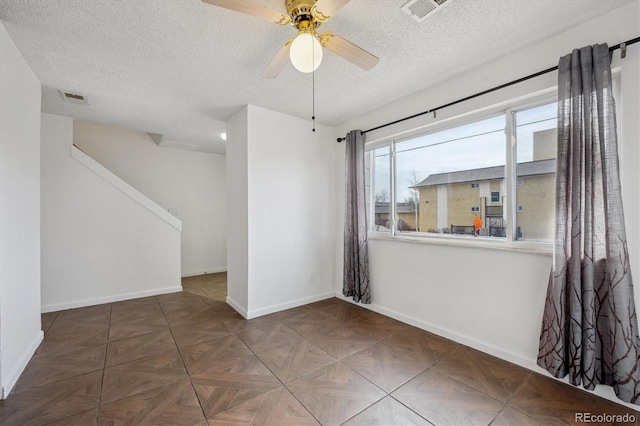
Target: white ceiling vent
73,98
420,9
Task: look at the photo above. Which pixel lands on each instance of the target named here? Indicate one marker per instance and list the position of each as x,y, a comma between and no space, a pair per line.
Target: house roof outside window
531,168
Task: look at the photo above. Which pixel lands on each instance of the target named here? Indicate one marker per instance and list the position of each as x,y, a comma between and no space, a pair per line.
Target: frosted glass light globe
305,53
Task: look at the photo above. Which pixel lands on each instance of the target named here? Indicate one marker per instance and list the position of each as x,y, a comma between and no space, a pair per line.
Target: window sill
537,247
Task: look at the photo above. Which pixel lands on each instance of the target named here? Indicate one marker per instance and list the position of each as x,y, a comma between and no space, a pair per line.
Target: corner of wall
88,224
20,216
9,382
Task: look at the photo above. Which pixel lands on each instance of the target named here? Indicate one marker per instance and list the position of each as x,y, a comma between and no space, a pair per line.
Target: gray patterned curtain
356,256
589,328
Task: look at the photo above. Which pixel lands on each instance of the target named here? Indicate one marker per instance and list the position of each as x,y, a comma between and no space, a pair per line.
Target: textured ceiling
180,68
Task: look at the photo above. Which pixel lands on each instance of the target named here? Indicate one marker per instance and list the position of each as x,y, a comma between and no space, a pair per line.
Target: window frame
508,109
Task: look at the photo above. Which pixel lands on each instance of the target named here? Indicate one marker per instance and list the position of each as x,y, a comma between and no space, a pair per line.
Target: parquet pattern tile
48,319
341,340
136,322
94,319
166,405
133,377
295,358
180,301
77,329
188,358
275,407
213,286
291,313
421,344
386,367
217,355
377,326
143,311
482,372
334,393
443,400
54,366
386,412
72,342
134,304
510,416
86,418
308,325
551,402
207,331
194,315
344,312
143,346
267,336
52,401
225,312
239,324
231,382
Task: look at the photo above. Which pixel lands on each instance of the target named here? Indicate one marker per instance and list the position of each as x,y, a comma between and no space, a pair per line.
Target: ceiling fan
305,50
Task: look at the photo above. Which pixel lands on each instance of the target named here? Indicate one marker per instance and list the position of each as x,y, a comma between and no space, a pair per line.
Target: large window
536,135
379,190
491,178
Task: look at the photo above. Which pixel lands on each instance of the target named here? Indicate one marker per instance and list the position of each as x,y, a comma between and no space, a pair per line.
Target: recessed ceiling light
223,135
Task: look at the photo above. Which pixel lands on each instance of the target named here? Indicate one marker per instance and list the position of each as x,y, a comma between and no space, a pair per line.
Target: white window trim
532,247
509,108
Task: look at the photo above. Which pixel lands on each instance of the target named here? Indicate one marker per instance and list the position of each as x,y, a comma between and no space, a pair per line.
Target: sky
471,146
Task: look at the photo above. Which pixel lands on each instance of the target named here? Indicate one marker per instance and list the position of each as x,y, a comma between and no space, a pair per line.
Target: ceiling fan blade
278,62
252,9
325,9
348,51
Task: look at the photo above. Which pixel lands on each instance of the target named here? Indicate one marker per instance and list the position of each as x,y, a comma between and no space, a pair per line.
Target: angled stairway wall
189,184
102,241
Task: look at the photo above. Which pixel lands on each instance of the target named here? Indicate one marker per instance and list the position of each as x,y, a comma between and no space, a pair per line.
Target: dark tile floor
188,358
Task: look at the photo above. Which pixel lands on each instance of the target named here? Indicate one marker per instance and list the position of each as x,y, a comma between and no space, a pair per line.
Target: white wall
237,212
291,202
191,184
485,298
629,125
289,175
98,244
20,332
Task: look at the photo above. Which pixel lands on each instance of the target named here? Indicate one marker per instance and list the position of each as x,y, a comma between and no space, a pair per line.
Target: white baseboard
108,299
205,272
287,305
530,364
235,305
447,334
15,373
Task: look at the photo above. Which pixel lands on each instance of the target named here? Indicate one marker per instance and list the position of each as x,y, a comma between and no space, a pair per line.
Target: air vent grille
420,9
73,98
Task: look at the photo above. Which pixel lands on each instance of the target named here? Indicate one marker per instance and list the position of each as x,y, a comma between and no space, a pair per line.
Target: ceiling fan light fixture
305,52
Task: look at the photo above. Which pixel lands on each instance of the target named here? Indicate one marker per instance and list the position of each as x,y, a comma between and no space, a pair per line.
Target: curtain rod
622,46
